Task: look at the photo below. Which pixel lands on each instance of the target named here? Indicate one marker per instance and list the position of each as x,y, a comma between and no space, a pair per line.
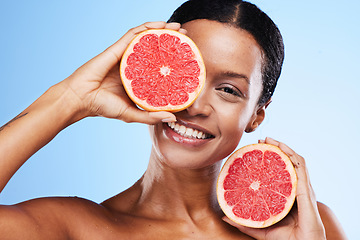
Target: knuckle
126,120
302,159
147,23
132,30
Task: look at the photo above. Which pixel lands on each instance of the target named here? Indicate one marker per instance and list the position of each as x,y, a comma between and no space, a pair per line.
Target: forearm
34,128
94,89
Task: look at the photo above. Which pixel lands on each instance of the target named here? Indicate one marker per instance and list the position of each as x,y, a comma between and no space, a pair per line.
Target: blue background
315,108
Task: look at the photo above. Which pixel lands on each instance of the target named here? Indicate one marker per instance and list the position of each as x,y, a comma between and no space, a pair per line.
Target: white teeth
187,132
195,133
182,130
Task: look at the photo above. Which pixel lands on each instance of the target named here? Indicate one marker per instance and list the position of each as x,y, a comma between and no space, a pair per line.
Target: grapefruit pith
162,70
257,185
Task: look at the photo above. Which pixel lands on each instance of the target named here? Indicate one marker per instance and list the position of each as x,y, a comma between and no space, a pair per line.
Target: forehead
226,48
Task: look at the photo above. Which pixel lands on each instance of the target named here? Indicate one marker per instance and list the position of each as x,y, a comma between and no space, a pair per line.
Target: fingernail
174,23
166,120
182,30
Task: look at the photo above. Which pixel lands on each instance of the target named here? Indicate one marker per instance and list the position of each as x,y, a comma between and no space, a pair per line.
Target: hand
98,87
303,221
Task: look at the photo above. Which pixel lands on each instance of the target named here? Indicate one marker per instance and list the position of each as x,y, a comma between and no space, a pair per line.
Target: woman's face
212,127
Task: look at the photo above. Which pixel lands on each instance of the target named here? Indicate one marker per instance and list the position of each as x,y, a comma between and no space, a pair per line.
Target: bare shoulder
332,225
51,218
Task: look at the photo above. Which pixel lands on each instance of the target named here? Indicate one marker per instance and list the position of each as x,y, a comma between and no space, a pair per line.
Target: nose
202,105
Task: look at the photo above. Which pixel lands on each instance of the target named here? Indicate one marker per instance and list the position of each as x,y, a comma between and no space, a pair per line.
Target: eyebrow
235,75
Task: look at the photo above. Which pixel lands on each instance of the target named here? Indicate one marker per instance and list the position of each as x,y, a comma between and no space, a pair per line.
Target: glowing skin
227,105
176,197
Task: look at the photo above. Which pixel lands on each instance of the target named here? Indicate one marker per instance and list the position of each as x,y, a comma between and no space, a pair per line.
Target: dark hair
249,17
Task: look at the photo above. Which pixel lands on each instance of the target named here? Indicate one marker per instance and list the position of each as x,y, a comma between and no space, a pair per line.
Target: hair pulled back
246,16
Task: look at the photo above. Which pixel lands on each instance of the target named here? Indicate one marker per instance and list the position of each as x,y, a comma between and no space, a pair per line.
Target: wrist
66,103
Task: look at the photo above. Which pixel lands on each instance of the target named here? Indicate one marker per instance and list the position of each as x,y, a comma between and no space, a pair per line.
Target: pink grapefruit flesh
162,70
257,185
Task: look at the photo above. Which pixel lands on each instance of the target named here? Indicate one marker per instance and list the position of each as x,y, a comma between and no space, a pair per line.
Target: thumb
141,116
256,233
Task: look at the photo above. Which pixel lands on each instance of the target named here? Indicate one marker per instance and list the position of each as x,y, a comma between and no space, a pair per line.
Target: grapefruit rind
171,108
228,210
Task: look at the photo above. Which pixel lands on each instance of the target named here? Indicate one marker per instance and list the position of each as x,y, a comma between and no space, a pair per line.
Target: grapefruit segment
257,185
162,70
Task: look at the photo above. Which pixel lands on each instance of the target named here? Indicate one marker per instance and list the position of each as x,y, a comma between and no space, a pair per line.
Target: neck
183,192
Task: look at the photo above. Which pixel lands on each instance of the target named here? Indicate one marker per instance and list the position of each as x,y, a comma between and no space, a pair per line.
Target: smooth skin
175,198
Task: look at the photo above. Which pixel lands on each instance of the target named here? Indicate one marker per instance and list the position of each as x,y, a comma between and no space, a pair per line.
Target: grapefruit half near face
257,185
162,70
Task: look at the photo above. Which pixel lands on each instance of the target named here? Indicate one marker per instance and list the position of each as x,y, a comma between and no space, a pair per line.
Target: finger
252,232
173,25
106,60
119,46
113,54
305,196
296,159
141,116
183,31
281,145
176,27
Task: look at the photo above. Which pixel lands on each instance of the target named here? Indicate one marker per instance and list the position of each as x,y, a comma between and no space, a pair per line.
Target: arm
332,225
94,89
33,128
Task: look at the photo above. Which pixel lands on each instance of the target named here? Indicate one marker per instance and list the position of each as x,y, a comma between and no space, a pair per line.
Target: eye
230,90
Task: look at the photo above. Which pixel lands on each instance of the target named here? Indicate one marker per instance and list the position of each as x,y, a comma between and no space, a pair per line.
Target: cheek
233,123
233,119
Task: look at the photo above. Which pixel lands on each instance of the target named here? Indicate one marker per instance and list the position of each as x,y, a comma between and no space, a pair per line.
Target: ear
257,118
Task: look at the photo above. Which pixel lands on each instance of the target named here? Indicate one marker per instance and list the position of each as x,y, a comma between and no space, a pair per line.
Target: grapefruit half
162,70
257,185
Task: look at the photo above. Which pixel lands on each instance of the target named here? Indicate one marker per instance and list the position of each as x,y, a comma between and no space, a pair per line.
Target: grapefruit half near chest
162,70
257,185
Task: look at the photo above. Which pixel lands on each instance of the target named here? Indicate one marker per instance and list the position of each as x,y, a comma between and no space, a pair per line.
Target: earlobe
251,127
257,118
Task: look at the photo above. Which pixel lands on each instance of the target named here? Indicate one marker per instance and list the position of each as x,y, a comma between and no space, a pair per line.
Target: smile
188,132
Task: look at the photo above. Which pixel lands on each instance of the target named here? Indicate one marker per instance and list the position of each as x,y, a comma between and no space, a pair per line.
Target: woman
175,198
